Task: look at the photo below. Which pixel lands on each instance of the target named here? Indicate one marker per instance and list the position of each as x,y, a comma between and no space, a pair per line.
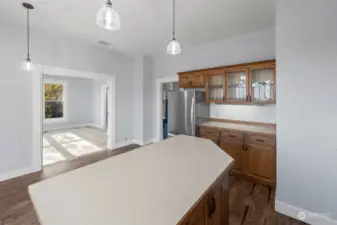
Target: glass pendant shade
108,18
173,47
28,65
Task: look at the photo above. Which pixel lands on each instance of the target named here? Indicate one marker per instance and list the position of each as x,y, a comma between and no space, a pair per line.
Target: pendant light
108,18
173,47
28,65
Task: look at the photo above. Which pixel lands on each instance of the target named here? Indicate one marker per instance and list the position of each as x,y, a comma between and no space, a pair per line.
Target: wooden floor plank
237,194
12,200
256,203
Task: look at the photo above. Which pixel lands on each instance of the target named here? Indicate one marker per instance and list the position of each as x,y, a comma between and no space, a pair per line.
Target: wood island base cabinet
213,206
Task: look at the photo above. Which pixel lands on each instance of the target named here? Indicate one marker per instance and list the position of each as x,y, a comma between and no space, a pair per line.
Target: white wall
79,100
142,85
306,44
138,98
97,102
15,87
147,103
266,113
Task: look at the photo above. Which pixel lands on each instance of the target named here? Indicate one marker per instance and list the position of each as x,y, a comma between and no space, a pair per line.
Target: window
54,100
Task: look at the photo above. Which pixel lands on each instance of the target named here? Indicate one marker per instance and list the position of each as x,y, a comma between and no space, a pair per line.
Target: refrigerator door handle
192,116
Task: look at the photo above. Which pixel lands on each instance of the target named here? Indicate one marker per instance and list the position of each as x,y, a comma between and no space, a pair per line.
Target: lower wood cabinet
259,161
197,216
234,149
254,154
213,207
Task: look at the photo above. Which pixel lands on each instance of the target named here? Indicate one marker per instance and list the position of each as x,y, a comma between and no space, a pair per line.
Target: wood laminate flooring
250,204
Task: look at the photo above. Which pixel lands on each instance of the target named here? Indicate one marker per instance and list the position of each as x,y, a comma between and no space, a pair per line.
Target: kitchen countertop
242,127
152,185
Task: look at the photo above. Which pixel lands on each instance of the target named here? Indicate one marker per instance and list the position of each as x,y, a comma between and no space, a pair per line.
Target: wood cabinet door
259,161
184,81
197,80
197,216
263,84
214,208
234,149
215,86
237,85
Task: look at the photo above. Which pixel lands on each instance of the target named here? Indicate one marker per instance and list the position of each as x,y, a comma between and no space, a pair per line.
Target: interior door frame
37,109
158,104
104,106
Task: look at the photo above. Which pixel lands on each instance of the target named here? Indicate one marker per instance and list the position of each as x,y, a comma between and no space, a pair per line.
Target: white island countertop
152,185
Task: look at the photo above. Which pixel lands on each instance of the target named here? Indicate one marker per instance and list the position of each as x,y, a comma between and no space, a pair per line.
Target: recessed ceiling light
101,42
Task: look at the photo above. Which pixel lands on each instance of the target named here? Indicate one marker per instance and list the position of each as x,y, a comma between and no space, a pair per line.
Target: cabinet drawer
232,135
209,131
260,140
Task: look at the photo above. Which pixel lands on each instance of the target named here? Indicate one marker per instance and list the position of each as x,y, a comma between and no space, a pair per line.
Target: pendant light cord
27,33
174,19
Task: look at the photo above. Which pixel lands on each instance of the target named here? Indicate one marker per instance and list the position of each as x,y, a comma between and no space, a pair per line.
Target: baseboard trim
123,144
72,126
142,143
95,125
154,140
304,215
17,173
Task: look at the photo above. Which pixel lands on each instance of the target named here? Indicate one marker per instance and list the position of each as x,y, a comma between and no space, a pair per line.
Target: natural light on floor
66,146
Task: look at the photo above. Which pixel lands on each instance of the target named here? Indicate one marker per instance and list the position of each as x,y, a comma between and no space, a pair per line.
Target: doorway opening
170,116
160,106
74,114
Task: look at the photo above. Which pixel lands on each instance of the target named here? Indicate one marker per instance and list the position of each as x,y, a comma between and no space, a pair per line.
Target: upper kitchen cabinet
236,85
215,85
249,83
191,80
263,84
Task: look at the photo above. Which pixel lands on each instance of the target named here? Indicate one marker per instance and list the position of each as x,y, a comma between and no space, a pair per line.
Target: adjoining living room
75,117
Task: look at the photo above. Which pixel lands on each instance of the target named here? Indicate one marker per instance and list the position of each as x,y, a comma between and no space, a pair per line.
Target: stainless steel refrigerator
186,110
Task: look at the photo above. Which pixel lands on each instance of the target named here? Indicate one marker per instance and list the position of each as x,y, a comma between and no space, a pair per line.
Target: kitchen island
182,180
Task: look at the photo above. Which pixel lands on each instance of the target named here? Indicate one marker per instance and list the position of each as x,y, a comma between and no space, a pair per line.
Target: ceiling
146,24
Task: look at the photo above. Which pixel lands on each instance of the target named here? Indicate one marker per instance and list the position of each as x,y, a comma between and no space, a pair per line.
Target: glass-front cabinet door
236,85
262,84
215,86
